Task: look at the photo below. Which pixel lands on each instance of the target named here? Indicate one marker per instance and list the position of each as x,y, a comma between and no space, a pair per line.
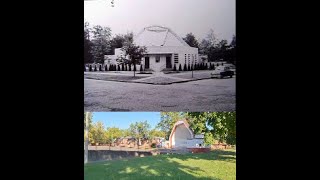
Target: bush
185,67
106,68
110,67
180,69
122,67
129,67
118,67
189,67
100,67
153,145
174,67
95,68
206,66
90,67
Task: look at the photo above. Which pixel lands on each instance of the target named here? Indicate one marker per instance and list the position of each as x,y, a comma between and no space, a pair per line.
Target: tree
156,133
174,67
106,67
191,40
101,43
90,67
189,67
185,67
139,130
87,44
168,119
98,133
180,69
100,67
111,134
132,53
95,68
222,125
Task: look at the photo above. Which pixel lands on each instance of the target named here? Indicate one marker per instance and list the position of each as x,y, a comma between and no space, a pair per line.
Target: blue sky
123,120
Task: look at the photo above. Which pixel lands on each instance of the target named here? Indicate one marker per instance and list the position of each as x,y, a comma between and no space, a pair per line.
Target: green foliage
87,45
168,119
112,133
156,133
98,133
139,130
208,138
153,145
223,124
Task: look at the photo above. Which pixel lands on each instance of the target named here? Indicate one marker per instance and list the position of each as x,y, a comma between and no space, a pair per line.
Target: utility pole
87,139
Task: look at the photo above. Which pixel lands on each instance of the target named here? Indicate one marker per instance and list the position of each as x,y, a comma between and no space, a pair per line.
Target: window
157,59
176,58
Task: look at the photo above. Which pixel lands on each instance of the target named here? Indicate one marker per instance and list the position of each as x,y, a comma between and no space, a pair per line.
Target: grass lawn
218,165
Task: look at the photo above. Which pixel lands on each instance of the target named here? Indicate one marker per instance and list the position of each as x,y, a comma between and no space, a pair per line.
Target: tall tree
156,133
168,119
101,43
191,40
132,55
112,133
87,44
222,125
98,133
139,130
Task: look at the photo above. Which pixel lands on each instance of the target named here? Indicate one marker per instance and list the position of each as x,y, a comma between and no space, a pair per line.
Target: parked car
221,72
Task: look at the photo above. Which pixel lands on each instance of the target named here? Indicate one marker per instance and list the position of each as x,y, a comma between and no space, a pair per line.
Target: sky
123,120
181,16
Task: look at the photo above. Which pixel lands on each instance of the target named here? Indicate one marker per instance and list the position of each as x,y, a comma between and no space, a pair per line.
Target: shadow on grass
157,167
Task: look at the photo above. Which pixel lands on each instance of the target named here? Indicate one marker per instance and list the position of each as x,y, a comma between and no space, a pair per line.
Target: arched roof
158,36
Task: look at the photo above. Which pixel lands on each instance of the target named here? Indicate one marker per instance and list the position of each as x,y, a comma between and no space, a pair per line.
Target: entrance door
168,62
147,63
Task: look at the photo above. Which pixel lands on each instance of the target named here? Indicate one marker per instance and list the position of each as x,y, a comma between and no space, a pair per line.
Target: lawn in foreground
218,165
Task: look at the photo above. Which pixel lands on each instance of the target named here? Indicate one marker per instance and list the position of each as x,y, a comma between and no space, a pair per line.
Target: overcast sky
182,16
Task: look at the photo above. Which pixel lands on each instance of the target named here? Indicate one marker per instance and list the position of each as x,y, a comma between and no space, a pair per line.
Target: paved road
196,96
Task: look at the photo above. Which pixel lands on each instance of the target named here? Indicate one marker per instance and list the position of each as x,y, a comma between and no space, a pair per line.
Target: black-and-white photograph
151,55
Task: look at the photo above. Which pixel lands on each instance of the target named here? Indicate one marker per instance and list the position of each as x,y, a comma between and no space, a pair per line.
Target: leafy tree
101,42
156,133
191,40
139,130
98,133
180,69
223,125
208,138
132,54
168,119
87,44
111,134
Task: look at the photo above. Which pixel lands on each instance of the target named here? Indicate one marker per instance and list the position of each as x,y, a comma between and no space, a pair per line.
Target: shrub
180,69
106,68
90,67
189,67
95,68
100,67
122,67
174,67
185,67
118,67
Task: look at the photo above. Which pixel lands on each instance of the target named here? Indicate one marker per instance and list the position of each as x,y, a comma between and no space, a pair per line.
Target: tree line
217,127
98,41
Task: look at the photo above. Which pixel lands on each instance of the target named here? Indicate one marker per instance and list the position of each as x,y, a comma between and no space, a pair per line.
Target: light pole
87,139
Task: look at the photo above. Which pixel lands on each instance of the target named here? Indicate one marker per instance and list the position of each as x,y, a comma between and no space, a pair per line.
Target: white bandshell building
164,50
